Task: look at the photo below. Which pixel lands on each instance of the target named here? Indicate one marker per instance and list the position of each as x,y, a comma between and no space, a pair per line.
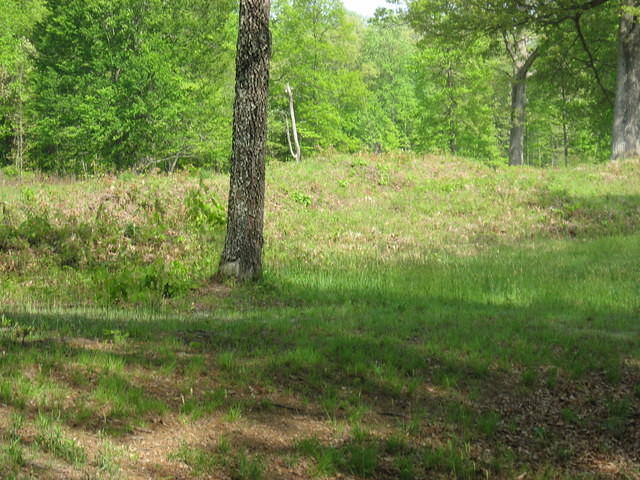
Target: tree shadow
550,377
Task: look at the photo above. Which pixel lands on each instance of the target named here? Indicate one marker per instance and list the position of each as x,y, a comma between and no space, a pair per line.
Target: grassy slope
419,318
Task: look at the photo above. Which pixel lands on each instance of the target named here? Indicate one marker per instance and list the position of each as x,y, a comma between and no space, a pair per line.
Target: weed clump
51,438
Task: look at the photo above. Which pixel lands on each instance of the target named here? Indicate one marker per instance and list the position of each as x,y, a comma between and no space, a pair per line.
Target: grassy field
419,318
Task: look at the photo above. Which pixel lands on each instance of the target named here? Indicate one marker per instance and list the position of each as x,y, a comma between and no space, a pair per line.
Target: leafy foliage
129,82
94,86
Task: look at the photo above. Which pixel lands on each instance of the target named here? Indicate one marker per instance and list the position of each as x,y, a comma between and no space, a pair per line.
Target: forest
279,240
94,86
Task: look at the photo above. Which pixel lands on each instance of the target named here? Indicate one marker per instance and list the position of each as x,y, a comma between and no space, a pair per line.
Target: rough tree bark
626,121
242,254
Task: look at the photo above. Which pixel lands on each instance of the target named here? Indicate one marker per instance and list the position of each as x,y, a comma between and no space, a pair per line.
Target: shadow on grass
532,352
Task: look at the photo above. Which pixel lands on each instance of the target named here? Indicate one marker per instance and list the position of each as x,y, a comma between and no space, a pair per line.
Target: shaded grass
450,321
372,340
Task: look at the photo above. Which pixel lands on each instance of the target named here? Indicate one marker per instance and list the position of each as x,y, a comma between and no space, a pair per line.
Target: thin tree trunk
565,143
242,254
451,111
518,120
297,155
565,126
18,138
626,121
291,151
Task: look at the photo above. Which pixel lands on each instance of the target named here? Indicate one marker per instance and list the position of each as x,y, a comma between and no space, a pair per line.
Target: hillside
420,317
322,213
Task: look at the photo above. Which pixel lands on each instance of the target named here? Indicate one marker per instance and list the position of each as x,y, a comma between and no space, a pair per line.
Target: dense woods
90,86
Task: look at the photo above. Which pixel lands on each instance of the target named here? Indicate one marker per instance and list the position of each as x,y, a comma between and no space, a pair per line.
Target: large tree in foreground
242,255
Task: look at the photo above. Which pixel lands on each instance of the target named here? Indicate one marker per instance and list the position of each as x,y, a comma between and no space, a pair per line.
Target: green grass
52,439
239,465
12,452
418,318
108,460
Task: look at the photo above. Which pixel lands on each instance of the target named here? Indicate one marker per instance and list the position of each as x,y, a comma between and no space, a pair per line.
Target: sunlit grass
419,310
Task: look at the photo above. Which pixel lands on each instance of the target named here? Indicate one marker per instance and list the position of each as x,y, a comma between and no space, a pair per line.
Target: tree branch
591,61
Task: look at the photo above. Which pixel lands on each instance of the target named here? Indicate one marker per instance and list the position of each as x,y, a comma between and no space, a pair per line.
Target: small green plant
28,195
570,416
209,403
356,414
143,284
541,433
326,458
396,444
223,447
203,209
117,336
248,467
529,378
361,459
406,468
451,459
195,367
552,377
234,414
108,458
359,162
201,461
12,452
359,456
10,171
619,412
124,401
301,198
13,331
227,361
15,426
488,423
51,438
384,175
12,458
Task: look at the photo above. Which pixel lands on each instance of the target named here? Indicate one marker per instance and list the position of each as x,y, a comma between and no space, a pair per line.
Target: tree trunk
451,111
626,120
523,52
19,137
19,120
296,154
565,124
518,120
242,254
